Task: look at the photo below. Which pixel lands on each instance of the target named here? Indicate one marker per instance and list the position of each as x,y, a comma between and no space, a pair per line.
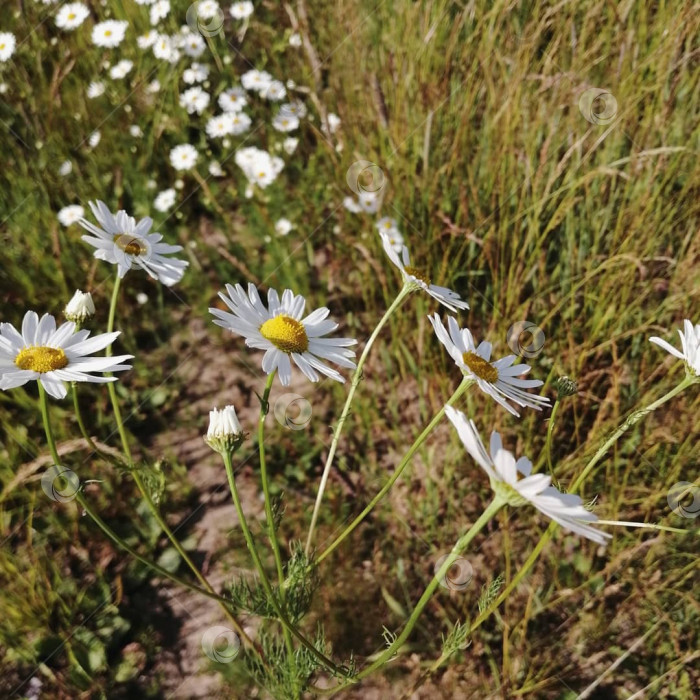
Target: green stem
550,432
286,623
403,294
207,591
464,385
459,547
155,512
269,515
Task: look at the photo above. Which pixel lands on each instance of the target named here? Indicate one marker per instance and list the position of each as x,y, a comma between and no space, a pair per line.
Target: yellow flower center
418,274
41,359
130,244
71,15
480,367
108,32
285,333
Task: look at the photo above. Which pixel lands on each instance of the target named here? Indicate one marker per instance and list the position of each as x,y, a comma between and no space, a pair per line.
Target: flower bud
225,433
80,307
565,387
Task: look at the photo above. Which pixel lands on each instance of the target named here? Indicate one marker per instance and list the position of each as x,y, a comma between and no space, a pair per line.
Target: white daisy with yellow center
500,379
123,242
53,355
502,468
285,333
418,277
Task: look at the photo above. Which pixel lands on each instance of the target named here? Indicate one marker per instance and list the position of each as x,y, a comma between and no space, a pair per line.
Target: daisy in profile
109,34
690,346
285,333
53,355
502,469
500,379
95,89
418,278
121,241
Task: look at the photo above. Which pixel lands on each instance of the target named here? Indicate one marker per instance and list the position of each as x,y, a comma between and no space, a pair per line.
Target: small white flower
164,200
257,80
122,242
690,347
274,91
164,49
71,16
153,87
94,139
145,41
52,356
159,10
66,169
135,131
285,122
502,469
283,227
233,100
284,333
219,126
259,166
183,157
109,34
352,205
290,145
295,40
215,169
7,45
80,307
121,69
196,73
70,214
95,89
333,124
240,122
296,108
208,9
194,100
194,45
225,433
500,379
241,10
419,278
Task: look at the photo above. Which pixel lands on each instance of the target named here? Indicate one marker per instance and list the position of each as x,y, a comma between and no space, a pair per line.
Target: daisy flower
194,100
502,469
109,34
194,45
419,279
164,200
70,214
183,157
66,169
500,379
121,69
215,169
241,10
123,242
290,145
208,9
274,91
296,108
94,139
285,122
95,89
80,307
690,346
71,16
240,122
256,79
219,126
196,73
53,355
233,100
7,45
145,41
284,333
159,10
295,40
283,227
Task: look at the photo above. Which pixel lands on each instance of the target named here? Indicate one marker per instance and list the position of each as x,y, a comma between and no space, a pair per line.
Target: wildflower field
349,349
